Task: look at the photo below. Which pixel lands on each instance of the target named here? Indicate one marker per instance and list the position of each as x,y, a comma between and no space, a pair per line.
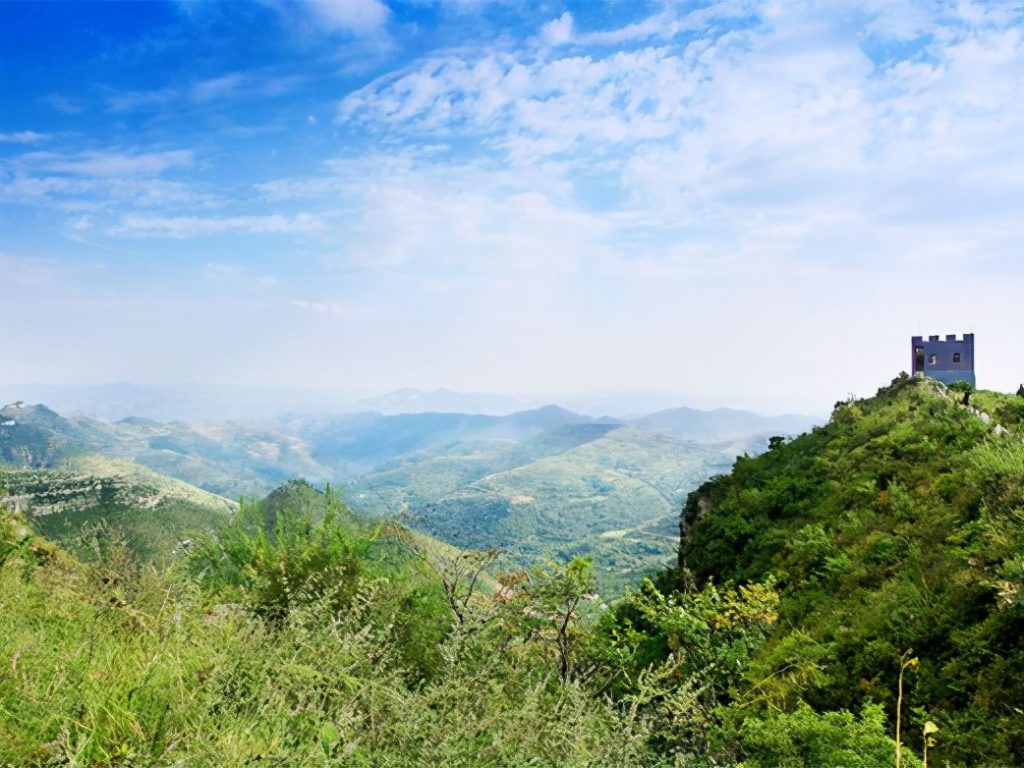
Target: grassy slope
898,525
152,512
108,664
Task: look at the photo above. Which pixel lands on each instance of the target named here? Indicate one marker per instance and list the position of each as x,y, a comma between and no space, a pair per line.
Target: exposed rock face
44,492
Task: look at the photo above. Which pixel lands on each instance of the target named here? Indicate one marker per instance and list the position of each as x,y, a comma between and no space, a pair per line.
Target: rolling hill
893,532
594,496
541,483
227,459
90,493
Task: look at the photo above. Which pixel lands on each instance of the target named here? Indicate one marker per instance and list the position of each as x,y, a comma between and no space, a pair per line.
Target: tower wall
944,359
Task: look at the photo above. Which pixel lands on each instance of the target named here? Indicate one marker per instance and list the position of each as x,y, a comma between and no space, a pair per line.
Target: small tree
301,561
460,574
557,598
1020,391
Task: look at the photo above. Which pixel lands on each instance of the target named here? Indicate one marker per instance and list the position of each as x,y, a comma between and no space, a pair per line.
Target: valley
534,485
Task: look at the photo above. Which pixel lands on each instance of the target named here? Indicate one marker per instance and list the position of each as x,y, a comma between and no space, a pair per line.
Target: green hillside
538,484
589,499
90,494
226,459
897,528
298,634
429,474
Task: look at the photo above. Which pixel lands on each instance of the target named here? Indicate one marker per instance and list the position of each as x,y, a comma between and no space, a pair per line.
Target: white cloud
77,194
558,31
82,223
91,180
741,177
626,209
105,163
784,111
333,308
22,137
137,225
361,17
232,86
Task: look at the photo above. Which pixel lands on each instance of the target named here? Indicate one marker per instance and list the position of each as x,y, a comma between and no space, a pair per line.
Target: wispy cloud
500,193
784,110
137,225
361,17
233,86
105,163
81,223
96,179
22,137
332,308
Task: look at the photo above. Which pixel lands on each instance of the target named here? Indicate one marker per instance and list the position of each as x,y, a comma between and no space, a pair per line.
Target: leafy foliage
112,662
299,561
898,524
299,633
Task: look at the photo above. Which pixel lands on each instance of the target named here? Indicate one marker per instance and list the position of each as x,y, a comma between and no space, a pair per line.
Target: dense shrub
899,524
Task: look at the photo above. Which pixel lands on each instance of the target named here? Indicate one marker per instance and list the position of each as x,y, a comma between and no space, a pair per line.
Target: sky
718,200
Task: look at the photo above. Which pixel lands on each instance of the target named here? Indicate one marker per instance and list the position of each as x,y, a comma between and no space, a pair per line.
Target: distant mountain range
534,483
412,400
218,403
183,402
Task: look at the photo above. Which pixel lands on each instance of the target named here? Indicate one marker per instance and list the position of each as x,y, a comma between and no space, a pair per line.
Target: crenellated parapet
948,359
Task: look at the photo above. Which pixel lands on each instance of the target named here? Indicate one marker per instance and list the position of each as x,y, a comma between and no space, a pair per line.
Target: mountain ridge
897,525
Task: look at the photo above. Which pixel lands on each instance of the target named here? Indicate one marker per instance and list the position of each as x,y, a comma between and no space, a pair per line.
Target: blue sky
717,199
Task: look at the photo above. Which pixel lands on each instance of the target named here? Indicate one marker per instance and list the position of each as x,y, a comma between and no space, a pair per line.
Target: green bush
808,739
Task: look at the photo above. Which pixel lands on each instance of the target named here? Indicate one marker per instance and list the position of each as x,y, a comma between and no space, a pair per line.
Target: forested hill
899,525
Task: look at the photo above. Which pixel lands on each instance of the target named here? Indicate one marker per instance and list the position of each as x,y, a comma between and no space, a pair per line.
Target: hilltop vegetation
897,526
283,640
300,633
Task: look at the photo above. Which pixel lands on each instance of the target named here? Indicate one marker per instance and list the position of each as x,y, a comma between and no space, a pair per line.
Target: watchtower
946,360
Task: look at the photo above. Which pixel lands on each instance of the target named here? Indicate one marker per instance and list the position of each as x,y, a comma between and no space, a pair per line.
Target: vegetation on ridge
284,640
899,525
886,542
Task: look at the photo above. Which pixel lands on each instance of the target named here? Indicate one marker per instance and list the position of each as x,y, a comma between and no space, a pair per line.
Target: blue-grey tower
946,360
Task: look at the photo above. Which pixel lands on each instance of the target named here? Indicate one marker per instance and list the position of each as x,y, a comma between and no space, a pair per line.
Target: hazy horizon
192,401
740,202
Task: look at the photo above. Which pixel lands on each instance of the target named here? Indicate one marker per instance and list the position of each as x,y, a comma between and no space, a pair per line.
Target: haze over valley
538,484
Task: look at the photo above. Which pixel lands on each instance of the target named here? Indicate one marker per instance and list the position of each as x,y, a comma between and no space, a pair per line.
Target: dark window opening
918,359
956,357
932,359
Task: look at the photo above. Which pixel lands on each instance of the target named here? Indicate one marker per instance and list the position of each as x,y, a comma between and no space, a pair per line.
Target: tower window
956,357
932,359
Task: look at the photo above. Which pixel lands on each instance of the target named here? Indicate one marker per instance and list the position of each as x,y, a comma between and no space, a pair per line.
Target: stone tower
946,360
